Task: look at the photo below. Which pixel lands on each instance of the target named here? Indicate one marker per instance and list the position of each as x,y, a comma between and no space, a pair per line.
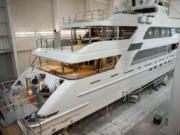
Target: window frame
168,33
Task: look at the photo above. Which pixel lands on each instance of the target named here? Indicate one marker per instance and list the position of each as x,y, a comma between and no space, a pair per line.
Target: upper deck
97,36
103,17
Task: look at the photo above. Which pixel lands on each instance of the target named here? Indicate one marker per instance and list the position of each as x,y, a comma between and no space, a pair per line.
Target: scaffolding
13,110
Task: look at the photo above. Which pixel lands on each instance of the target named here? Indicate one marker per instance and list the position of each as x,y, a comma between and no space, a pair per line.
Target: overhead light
24,34
33,34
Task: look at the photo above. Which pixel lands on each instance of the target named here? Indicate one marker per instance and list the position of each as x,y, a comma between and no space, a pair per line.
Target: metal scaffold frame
8,104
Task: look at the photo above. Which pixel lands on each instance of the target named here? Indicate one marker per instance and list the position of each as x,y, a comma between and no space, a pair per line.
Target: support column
12,37
56,13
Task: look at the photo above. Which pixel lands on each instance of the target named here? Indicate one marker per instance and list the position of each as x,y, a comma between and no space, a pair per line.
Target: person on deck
41,81
45,92
35,80
34,88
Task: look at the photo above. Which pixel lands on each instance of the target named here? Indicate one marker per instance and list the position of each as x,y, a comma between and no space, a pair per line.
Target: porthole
114,75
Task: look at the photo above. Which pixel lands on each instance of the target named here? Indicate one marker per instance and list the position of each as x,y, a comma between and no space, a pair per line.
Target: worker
80,38
41,81
113,34
45,92
35,80
34,88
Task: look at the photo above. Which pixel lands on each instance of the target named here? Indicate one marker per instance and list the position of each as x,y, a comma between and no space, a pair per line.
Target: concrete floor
147,127
129,118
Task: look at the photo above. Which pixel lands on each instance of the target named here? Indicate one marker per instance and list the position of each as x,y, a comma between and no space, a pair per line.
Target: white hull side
116,89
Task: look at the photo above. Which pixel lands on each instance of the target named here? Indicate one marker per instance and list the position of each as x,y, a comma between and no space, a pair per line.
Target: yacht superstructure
108,59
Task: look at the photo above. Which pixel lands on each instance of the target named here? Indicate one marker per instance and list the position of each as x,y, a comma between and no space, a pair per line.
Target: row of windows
102,33
156,32
110,33
97,33
148,54
159,32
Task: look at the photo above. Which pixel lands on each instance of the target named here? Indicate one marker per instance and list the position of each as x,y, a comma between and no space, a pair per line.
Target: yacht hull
118,91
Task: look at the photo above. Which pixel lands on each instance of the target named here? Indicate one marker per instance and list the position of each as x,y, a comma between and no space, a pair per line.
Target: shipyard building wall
31,16
7,57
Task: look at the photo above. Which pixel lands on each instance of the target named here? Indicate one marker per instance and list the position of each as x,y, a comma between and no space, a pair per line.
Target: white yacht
102,60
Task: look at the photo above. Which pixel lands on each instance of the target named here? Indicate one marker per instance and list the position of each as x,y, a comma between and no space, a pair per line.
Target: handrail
62,44
99,14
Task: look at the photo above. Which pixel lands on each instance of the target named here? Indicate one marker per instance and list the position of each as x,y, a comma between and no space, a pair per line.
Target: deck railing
63,44
99,14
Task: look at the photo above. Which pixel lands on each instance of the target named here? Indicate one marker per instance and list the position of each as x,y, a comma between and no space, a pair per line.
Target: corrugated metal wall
7,71
6,68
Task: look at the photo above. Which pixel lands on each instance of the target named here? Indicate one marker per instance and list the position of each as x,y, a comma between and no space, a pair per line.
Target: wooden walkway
11,130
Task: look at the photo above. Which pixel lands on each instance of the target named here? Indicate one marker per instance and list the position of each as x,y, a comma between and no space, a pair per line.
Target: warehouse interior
24,22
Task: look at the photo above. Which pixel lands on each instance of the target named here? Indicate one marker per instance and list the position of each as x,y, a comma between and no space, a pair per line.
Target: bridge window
177,30
157,32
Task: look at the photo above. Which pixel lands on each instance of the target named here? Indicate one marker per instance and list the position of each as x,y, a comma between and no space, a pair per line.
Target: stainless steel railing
63,44
99,14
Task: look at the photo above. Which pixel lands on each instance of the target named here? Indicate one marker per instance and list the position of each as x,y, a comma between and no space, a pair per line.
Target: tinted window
156,32
150,54
163,32
109,60
135,46
126,32
177,30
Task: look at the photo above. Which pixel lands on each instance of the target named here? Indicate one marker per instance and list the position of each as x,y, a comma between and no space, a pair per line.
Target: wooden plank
9,130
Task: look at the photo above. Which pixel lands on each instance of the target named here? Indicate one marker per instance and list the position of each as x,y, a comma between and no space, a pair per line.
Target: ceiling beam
103,1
